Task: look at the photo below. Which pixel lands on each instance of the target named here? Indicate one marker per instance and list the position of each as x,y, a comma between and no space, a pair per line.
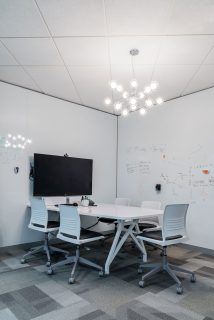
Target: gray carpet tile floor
27,292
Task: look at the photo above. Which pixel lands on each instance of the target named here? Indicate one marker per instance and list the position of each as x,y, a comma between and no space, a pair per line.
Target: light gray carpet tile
168,307
206,272
59,293
6,314
72,312
28,302
20,278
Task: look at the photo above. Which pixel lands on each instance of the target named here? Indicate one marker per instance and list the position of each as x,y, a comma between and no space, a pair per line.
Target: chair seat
157,235
143,226
85,234
53,224
50,225
107,220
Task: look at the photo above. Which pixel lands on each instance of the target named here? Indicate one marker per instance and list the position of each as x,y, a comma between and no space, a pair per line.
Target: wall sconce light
15,142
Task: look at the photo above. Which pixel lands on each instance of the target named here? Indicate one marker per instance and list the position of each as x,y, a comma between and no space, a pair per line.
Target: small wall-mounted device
16,170
158,187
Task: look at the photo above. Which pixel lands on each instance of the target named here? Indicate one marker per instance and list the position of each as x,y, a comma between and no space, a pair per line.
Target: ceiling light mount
134,52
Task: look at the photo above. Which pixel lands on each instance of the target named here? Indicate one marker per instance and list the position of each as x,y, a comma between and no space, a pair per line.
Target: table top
113,211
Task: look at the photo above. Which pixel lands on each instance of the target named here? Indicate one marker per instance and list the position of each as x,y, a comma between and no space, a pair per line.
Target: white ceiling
72,48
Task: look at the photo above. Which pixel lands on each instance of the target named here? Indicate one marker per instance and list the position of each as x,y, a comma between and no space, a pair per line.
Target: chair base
75,260
45,248
165,266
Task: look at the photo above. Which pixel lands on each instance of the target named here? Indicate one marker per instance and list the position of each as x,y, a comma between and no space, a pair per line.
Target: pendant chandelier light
134,99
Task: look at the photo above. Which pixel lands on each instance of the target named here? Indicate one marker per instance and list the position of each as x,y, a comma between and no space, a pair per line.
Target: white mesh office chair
150,223
39,222
70,231
173,232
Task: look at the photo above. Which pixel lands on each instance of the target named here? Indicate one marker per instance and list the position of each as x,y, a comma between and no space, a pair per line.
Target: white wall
171,145
56,127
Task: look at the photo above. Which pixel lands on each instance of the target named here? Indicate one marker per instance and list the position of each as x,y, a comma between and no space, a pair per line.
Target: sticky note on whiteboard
205,171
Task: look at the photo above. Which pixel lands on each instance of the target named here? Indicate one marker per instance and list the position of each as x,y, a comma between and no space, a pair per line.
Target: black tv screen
62,176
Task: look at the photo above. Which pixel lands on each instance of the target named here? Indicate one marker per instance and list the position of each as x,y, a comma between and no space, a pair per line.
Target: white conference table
122,214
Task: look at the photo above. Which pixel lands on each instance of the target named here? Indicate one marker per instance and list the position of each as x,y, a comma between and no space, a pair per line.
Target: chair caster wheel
101,273
193,278
140,270
142,284
23,260
71,280
179,290
50,272
48,264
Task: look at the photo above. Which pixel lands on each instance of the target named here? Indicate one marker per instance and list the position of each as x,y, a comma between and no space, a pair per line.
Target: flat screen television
62,176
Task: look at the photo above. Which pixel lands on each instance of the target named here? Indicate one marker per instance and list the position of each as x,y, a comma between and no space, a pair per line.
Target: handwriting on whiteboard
142,167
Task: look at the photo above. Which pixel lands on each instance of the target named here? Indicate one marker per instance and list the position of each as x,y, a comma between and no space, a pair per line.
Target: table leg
142,249
128,232
109,259
118,243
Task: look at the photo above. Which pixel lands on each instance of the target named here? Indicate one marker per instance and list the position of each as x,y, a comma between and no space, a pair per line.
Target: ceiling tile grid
72,49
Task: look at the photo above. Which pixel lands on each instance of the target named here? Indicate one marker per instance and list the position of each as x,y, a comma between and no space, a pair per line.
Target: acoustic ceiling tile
185,49
203,79
137,17
73,18
54,80
21,18
5,57
16,75
192,17
83,51
34,51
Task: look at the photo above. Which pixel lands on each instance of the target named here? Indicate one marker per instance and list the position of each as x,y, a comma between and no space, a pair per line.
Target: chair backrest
39,212
174,220
151,205
69,221
122,201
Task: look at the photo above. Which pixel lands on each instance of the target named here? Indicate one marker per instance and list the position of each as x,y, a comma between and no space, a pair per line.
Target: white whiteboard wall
171,145
56,127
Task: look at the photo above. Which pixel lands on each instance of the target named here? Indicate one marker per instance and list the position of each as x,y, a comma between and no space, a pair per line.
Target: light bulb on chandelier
149,103
118,106
133,107
133,83
132,100
107,101
119,88
142,111
125,95
153,85
159,100
125,112
113,84
147,90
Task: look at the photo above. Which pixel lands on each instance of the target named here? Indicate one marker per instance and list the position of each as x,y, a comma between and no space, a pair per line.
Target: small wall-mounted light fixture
158,187
16,170
15,142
